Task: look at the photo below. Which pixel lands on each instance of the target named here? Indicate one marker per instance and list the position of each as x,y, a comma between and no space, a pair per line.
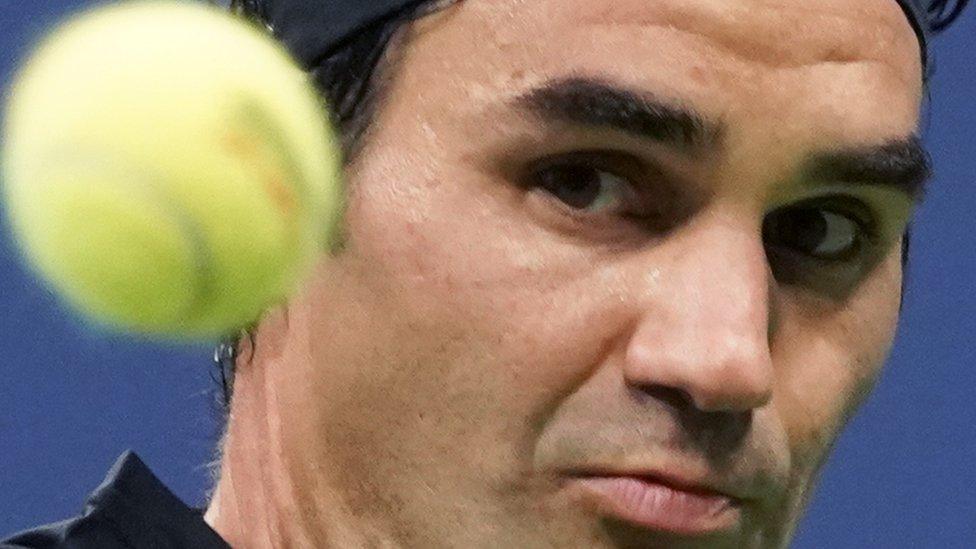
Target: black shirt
130,509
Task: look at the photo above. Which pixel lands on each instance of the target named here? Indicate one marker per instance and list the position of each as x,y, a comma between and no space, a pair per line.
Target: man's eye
585,188
818,232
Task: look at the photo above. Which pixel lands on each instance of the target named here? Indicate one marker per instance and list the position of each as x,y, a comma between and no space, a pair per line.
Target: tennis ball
168,169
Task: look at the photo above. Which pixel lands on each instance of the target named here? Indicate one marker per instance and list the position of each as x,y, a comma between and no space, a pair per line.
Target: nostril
714,432
725,386
676,398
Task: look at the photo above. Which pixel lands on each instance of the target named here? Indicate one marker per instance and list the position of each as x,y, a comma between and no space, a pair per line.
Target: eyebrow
899,164
595,103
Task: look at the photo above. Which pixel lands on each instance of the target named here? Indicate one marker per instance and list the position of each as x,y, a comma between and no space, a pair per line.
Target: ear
263,341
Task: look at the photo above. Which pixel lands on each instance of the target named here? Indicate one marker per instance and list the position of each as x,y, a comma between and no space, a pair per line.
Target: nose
704,326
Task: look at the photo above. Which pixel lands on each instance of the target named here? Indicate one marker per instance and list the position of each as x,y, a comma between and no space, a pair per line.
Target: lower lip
657,507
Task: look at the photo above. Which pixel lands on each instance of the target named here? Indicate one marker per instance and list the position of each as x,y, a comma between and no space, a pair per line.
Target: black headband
312,29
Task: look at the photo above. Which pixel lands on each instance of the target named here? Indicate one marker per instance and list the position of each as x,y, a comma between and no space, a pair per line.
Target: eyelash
621,166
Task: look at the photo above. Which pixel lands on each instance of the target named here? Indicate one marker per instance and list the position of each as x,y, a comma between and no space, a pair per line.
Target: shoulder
131,508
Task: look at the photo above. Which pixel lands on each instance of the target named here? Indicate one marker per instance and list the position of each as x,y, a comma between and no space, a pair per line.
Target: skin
433,382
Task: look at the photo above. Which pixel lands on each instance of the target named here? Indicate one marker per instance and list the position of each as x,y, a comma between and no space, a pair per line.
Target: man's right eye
587,189
603,196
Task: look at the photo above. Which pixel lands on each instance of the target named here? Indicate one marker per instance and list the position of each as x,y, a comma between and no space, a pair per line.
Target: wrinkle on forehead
774,33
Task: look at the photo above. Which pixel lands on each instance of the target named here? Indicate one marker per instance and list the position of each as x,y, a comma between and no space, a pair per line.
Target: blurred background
903,475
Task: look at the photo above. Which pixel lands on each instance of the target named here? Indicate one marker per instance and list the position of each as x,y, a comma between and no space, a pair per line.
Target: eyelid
652,199
862,214
618,164
618,196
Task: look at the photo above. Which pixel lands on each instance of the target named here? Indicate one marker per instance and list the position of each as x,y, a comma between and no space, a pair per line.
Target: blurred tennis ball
168,169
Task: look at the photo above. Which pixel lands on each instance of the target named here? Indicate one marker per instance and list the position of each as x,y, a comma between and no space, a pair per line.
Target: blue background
902,475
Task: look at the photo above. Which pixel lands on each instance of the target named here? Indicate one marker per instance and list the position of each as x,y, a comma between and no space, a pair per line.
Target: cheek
499,320
830,362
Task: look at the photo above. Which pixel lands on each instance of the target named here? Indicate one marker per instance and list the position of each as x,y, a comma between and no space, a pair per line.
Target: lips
659,504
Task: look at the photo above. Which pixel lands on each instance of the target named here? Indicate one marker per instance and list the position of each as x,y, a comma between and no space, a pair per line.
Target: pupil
577,186
803,230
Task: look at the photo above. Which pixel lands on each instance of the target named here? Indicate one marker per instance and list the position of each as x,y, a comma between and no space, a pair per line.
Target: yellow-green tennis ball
168,169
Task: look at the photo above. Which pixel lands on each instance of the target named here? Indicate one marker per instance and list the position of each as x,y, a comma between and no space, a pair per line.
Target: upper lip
707,485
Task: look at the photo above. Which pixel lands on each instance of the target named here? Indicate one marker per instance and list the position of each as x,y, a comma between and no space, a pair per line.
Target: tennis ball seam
150,183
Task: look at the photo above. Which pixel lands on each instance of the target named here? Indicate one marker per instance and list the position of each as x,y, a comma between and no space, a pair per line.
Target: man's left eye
818,232
585,188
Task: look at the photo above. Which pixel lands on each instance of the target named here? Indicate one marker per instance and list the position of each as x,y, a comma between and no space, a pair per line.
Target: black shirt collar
130,509
143,509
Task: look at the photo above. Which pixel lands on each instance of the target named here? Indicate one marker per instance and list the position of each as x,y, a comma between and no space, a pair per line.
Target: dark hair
352,81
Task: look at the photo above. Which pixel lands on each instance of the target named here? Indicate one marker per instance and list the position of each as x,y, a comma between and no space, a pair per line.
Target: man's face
617,273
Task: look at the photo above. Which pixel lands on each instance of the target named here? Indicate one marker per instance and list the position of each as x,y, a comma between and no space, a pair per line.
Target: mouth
658,503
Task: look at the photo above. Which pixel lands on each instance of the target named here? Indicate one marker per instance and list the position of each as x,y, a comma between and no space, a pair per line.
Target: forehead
849,69
774,32
783,31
